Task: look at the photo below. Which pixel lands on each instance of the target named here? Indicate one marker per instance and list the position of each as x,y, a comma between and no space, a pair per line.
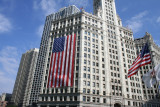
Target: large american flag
62,62
143,58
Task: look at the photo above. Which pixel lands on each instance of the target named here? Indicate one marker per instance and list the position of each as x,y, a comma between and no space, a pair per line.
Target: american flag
62,62
143,58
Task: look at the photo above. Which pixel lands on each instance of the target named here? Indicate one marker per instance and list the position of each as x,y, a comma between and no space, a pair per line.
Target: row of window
60,98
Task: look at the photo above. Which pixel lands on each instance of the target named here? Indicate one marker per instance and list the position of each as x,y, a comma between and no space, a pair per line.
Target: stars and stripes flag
61,70
143,58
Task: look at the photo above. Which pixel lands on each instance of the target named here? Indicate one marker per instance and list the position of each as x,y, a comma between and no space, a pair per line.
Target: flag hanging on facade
143,58
62,62
152,76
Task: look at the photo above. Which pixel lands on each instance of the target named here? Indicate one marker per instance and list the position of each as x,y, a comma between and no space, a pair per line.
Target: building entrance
117,105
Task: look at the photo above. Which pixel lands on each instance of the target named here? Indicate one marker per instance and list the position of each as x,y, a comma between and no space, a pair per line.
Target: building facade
24,77
44,51
151,96
105,51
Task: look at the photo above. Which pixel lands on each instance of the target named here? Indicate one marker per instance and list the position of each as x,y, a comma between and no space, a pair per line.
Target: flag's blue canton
145,50
58,45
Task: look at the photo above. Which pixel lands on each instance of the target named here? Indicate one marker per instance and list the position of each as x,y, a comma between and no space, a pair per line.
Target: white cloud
40,30
5,24
158,19
6,83
47,6
136,22
8,59
51,6
79,3
9,62
124,9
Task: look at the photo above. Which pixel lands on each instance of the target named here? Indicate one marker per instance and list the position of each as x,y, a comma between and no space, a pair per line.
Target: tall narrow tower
105,9
24,77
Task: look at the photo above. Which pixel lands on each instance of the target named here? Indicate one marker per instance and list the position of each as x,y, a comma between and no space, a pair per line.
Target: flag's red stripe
69,60
50,71
60,69
140,61
72,72
53,69
65,61
137,59
132,74
140,65
55,84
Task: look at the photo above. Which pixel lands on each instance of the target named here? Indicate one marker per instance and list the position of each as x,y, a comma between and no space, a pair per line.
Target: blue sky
21,26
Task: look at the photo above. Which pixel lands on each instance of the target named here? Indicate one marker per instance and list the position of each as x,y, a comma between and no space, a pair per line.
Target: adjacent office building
151,96
24,77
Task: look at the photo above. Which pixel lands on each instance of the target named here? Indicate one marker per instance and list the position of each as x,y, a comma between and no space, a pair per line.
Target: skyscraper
24,77
104,52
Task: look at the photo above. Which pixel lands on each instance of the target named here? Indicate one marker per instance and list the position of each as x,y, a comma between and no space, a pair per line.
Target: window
88,99
85,37
93,40
88,76
104,100
88,69
128,102
94,99
94,84
98,85
88,91
84,98
94,92
103,78
97,77
84,83
88,83
85,49
84,90
94,77
97,100
104,86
